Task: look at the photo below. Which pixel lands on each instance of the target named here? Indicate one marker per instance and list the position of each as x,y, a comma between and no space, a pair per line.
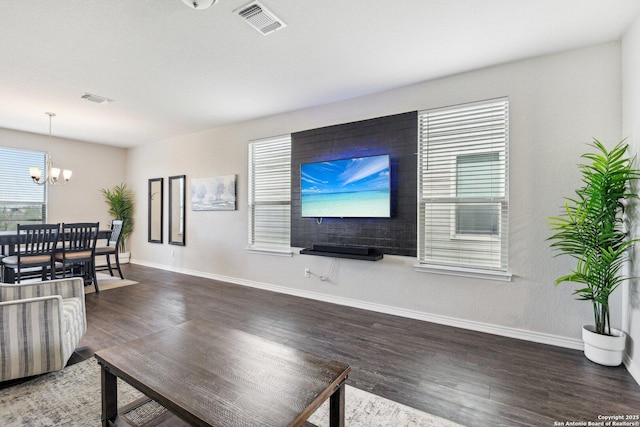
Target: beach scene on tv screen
357,187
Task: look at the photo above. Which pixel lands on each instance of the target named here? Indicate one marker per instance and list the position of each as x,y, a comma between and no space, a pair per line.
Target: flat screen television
358,187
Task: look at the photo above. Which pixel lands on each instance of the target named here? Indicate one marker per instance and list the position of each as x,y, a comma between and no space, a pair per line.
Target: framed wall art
217,193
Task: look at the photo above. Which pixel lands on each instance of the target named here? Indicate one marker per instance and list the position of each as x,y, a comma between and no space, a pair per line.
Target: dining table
9,240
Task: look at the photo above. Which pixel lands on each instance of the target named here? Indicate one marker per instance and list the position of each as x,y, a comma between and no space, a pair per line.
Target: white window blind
463,201
21,201
270,193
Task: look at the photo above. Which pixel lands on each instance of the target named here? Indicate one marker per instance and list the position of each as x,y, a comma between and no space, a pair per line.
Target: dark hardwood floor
468,377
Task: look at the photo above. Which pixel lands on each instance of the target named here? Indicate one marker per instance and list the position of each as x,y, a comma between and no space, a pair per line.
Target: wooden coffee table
207,374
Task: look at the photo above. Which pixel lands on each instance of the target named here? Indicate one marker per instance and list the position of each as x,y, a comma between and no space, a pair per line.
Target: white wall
558,103
94,167
631,129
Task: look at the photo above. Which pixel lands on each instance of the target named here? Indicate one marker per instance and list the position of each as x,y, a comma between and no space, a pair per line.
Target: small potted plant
592,231
121,203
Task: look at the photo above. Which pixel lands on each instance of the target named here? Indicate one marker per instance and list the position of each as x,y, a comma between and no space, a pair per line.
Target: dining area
62,250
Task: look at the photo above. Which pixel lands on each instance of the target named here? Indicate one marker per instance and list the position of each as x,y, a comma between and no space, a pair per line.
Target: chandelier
52,175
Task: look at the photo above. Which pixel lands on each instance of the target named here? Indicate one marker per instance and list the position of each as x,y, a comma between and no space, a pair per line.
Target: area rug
367,409
106,282
71,397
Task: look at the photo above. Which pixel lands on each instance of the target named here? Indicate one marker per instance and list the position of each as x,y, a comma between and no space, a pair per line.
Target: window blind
463,186
21,201
270,193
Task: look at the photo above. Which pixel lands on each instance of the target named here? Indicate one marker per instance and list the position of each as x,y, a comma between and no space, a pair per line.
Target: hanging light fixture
52,175
199,4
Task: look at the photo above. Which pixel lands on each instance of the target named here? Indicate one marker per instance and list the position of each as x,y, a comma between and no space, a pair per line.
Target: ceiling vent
260,18
96,98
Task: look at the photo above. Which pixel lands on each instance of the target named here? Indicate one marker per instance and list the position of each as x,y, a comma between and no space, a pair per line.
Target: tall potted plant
121,203
592,231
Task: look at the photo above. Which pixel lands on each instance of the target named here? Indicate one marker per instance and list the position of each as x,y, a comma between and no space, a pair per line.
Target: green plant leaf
121,202
591,229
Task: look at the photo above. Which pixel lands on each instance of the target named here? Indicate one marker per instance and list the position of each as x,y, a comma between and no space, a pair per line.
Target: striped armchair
41,324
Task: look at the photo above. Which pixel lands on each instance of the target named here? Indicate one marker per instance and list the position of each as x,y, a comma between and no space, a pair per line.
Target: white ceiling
173,70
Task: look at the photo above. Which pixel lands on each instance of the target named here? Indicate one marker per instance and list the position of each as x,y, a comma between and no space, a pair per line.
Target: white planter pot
605,350
124,257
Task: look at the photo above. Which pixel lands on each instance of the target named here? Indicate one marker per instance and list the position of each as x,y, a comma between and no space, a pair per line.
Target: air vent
260,18
96,98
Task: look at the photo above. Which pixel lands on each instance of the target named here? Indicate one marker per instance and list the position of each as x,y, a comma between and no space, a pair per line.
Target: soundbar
344,251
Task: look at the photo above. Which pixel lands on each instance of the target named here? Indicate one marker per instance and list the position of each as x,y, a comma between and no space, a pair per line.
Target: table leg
109,397
336,407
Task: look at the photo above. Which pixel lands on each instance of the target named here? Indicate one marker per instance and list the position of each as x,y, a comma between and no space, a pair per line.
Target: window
463,188
270,194
477,175
21,201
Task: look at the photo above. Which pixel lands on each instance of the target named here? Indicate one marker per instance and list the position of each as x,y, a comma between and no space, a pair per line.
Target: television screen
359,187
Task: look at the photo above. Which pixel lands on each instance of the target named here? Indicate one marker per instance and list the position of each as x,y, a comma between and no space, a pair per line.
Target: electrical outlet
307,273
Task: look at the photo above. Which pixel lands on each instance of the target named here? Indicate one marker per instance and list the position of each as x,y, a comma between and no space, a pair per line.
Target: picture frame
216,193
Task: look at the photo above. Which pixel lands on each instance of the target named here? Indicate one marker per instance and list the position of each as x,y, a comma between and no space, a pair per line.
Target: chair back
80,237
116,231
37,239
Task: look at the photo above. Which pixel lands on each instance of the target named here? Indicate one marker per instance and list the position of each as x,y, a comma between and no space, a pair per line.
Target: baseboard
633,369
521,334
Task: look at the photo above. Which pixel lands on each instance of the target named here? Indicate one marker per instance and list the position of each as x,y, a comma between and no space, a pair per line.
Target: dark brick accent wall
395,135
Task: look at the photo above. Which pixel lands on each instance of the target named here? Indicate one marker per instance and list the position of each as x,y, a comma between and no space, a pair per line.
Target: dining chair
111,248
34,251
77,252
